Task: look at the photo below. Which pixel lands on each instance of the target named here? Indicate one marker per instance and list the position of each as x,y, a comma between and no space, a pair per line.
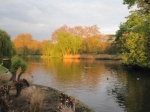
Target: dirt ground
38,98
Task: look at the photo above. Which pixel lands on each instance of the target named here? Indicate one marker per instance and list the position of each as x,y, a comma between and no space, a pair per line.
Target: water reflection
105,86
131,90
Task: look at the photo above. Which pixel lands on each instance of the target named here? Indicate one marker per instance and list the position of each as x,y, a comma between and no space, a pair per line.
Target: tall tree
71,38
134,50
133,39
140,3
46,47
25,45
67,44
83,32
91,45
6,46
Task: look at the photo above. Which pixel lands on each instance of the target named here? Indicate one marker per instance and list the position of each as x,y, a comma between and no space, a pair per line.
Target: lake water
105,86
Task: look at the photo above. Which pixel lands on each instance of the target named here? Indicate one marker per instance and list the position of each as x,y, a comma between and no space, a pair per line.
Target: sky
42,17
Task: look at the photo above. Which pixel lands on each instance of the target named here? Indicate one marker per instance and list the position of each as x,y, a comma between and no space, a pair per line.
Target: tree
25,45
68,44
78,39
133,39
17,64
46,47
91,45
6,46
83,32
140,3
134,51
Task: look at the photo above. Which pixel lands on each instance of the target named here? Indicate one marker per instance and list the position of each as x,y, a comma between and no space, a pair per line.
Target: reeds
35,98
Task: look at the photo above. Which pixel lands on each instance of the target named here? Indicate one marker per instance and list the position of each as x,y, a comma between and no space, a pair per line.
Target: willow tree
6,46
67,44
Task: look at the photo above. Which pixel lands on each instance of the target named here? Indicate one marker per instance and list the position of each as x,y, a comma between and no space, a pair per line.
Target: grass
2,69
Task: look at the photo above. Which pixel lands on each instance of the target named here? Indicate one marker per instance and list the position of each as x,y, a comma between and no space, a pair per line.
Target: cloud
41,17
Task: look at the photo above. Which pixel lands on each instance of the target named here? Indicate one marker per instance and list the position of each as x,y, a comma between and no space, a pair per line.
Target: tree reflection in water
130,89
103,85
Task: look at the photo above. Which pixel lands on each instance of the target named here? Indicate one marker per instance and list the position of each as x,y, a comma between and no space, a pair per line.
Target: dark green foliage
6,46
139,3
134,51
133,39
18,63
2,69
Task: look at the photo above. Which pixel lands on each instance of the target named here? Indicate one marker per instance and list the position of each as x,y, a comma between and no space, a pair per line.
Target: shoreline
50,101
88,57
79,105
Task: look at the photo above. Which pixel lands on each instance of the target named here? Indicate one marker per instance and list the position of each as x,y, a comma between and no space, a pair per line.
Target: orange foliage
25,40
91,45
83,32
105,45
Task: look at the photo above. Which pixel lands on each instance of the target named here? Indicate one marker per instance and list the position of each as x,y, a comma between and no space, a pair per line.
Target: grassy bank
2,69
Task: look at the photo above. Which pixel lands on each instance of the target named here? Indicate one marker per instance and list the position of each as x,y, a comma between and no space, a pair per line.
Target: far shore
89,56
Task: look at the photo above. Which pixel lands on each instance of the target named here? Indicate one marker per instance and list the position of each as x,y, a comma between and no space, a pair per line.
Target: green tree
134,51
46,47
67,44
6,46
139,3
17,64
133,39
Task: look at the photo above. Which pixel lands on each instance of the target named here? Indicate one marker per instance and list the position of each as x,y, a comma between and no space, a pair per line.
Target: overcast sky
41,17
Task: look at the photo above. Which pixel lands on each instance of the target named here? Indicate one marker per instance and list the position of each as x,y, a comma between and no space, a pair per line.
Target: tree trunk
19,76
13,78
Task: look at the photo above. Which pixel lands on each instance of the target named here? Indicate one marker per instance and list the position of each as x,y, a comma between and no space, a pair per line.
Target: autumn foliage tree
83,32
64,41
25,45
77,39
46,47
91,45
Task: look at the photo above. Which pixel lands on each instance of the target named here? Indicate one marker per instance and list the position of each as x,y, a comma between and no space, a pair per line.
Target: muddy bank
36,98
46,99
